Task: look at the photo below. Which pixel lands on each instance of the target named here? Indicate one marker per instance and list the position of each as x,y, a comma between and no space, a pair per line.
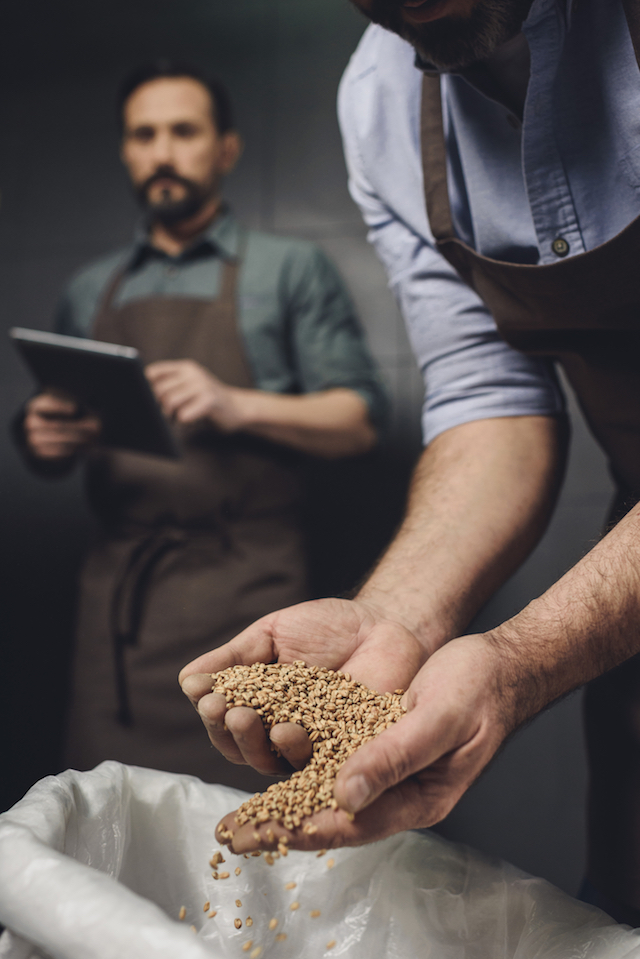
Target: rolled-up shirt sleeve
469,372
329,346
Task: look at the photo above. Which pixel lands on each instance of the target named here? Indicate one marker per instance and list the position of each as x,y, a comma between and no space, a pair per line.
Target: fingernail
356,792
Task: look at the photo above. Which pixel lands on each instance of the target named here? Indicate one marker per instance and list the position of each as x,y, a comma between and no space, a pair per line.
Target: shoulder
288,258
83,293
90,280
382,63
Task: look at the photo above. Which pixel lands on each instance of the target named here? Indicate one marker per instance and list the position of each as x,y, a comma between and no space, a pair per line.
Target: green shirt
296,318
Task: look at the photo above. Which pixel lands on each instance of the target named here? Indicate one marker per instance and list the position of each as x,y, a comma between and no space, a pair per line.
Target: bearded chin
170,212
452,43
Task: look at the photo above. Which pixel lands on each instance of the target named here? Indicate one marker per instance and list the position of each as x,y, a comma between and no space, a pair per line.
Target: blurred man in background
252,349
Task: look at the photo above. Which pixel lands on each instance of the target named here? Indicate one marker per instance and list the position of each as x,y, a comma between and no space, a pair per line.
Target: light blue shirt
570,170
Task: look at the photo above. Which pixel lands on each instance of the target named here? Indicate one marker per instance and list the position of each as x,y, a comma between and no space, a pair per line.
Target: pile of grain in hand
338,713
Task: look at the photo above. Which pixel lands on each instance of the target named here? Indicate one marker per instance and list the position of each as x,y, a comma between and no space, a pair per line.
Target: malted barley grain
338,713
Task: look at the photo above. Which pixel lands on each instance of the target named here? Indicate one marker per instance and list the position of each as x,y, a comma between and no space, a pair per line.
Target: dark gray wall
65,200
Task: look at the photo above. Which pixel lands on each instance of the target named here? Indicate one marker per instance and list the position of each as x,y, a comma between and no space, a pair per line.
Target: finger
412,744
212,710
252,645
52,445
250,738
63,411
163,368
172,394
48,433
195,686
293,743
48,403
329,829
195,409
416,803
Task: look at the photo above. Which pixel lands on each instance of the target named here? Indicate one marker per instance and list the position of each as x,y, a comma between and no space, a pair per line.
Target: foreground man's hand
413,774
334,633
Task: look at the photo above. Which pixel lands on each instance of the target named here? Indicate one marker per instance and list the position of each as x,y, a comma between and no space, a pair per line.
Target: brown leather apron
584,312
191,552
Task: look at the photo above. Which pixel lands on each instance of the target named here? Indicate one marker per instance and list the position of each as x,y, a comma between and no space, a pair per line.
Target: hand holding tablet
109,386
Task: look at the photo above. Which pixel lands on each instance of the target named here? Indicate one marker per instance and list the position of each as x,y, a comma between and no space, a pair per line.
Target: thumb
409,746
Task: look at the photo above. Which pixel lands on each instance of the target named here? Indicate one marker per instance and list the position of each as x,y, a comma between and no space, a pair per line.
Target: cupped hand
459,711
334,633
187,392
53,428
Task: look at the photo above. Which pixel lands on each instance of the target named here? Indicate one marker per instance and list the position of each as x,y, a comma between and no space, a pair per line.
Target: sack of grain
118,863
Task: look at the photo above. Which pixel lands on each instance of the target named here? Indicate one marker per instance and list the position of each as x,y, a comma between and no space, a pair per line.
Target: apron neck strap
434,160
228,285
231,267
111,290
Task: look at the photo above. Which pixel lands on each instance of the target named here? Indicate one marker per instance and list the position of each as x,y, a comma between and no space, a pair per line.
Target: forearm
586,623
331,423
480,499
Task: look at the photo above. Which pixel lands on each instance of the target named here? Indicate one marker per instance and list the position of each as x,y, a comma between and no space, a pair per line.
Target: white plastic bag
97,866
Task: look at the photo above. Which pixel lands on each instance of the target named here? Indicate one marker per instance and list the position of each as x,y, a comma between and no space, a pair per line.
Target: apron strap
112,288
434,160
231,267
127,606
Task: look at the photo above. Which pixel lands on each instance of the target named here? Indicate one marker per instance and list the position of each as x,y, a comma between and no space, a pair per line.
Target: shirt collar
221,238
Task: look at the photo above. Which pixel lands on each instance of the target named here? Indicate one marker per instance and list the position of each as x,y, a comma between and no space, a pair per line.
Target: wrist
235,412
530,672
406,610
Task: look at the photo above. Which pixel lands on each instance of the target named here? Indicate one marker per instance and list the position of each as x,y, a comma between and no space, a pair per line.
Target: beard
167,210
452,43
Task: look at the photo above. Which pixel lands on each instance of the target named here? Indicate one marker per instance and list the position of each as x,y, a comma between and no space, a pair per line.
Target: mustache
165,173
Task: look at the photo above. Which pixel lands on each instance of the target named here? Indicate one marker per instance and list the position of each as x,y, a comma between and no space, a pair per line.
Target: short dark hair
167,69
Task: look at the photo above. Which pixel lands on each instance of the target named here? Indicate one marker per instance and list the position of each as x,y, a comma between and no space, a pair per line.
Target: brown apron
584,312
191,551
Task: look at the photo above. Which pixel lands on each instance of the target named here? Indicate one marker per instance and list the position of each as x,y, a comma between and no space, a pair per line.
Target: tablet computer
104,378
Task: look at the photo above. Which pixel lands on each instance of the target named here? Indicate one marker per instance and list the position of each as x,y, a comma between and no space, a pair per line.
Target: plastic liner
97,865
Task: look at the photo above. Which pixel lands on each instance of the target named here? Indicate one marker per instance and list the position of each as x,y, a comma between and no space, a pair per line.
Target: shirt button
560,246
